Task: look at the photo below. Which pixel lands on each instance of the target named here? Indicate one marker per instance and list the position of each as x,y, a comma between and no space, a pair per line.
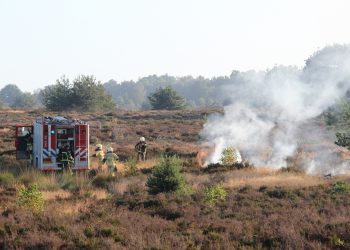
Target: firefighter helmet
99,146
109,150
24,132
142,138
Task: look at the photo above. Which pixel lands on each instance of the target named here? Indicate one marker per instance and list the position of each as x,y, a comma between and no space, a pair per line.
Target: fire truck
45,141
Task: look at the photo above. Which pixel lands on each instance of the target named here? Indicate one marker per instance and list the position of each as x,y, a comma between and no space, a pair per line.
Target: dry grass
99,194
255,178
67,207
147,164
127,184
53,195
275,179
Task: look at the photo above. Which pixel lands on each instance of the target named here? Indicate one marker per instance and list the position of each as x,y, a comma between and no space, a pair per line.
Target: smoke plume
270,110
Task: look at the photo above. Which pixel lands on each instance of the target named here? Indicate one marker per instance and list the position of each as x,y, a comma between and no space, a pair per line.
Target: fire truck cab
44,143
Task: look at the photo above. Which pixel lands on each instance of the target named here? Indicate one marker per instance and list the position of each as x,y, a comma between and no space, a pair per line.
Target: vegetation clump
342,140
131,167
214,194
229,156
6,179
340,187
166,176
31,198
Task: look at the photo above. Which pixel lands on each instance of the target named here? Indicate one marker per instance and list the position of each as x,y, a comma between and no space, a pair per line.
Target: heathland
215,208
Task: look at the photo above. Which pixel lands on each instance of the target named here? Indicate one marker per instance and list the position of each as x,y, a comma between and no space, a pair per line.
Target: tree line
86,93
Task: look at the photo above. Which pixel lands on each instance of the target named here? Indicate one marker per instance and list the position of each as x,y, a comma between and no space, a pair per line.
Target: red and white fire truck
43,142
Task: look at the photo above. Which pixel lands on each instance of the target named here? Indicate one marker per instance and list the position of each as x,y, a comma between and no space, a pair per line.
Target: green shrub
7,179
166,176
214,194
89,232
31,198
340,187
106,232
337,242
229,156
131,168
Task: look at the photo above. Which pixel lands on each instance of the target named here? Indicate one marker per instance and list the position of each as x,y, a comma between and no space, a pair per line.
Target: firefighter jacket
141,147
100,155
111,159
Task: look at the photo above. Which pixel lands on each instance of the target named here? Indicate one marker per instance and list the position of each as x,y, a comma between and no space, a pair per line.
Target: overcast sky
42,40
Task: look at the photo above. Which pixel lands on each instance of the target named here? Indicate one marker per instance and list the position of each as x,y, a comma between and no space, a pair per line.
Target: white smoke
268,109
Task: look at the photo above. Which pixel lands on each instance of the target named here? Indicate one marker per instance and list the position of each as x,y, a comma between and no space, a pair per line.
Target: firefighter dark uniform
141,149
66,158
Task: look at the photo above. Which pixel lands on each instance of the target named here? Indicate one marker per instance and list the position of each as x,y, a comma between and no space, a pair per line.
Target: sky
41,40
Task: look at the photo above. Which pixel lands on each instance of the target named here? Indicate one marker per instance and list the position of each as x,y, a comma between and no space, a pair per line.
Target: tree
88,94
13,97
166,98
85,93
343,140
25,100
166,176
10,94
58,96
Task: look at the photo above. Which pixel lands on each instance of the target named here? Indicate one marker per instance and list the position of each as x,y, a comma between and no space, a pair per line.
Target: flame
203,154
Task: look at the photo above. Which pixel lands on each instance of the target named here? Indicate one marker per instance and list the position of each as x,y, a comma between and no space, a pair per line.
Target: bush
214,194
229,156
131,168
166,176
7,179
340,187
88,232
31,198
105,232
277,192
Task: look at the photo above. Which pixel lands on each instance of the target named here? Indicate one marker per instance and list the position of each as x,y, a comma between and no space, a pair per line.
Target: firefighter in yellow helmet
100,155
111,161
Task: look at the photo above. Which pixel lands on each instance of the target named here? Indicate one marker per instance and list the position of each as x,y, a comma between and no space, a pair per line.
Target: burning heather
272,113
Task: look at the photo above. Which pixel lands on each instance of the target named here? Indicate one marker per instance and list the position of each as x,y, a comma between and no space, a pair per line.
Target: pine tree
166,98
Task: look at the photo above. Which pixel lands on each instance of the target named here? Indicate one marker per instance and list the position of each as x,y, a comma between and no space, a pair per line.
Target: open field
263,208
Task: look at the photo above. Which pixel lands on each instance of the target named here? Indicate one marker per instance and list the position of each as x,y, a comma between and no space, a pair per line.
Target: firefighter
141,149
100,156
30,146
66,158
26,145
111,161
